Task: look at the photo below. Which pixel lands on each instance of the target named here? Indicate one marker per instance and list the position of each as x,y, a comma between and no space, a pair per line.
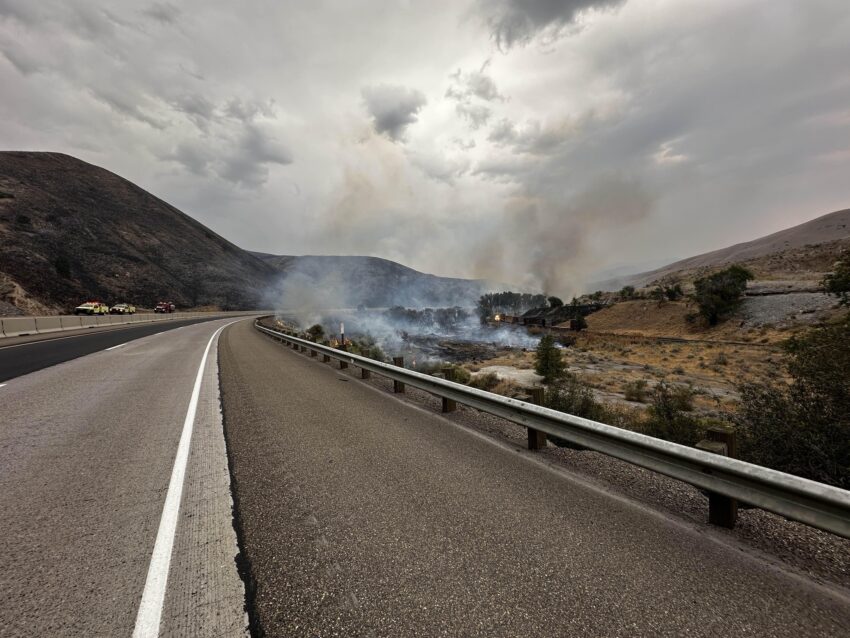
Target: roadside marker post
398,386
722,510
449,405
536,438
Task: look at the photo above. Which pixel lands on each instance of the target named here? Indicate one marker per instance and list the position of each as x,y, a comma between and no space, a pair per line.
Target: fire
497,318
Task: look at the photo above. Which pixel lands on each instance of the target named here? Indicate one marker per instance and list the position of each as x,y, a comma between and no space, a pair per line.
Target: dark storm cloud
393,108
515,22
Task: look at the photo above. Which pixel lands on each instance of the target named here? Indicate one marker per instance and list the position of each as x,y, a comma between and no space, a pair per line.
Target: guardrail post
326,358
722,510
313,353
398,386
365,374
536,438
449,405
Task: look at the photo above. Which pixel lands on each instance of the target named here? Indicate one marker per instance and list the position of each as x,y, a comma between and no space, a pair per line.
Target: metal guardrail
810,502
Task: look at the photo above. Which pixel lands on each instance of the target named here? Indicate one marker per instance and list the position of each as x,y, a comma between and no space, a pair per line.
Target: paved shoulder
363,515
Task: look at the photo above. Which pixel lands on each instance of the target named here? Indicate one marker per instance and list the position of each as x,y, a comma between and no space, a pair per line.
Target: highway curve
19,356
362,515
87,452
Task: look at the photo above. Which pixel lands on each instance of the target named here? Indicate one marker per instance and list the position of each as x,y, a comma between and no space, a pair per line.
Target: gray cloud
393,108
644,132
516,22
163,12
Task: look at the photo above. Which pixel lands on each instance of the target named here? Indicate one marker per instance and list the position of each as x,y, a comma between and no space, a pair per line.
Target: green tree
838,281
804,428
627,292
555,302
718,294
547,360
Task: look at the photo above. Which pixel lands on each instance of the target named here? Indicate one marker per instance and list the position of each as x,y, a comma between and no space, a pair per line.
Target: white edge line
153,596
2,385
120,345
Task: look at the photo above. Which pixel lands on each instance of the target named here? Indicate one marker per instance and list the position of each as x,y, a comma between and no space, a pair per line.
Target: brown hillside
71,230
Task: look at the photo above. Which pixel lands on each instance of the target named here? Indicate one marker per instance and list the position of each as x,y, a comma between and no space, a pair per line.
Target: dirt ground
644,341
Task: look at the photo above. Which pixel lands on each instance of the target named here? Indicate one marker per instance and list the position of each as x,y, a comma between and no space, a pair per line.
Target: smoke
548,246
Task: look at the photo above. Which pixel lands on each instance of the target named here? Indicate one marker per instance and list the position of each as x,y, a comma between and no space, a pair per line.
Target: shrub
838,282
316,332
636,391
627,292
718,294
486,381
668,417
804,428
555,302
460,374
547,360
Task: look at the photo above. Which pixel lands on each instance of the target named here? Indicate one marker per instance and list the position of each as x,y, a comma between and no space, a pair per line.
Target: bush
460,375
316,332
804,428
669,418
838,282
547,360
718,294
486,381
555,302
572,396
636,391
627,292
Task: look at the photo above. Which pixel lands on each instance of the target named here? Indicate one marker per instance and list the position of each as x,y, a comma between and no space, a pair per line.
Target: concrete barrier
18,326
48,324
70,322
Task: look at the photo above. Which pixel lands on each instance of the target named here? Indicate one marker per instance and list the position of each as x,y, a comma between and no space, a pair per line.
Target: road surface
22,355
87,452
362,515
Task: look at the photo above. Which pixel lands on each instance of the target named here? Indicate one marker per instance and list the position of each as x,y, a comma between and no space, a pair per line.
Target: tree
555,302
316,332
804,428
674,292
579,323
718,294
547,360
838,281
627,292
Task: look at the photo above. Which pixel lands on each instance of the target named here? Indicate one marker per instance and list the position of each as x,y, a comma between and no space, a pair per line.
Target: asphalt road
88,455
363,515
21,358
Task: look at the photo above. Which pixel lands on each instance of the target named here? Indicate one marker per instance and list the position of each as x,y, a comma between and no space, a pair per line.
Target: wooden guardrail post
313,353
449,405
365,374
398,386
722,510
536,438
326,358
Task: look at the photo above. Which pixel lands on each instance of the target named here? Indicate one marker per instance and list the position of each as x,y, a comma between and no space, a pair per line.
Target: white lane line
153,596
2,385
120,345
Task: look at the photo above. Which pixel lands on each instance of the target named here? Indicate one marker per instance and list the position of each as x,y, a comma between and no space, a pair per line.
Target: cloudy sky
539,142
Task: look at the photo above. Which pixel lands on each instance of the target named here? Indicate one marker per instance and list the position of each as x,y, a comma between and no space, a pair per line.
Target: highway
363,515
88,450
22,355
357,514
